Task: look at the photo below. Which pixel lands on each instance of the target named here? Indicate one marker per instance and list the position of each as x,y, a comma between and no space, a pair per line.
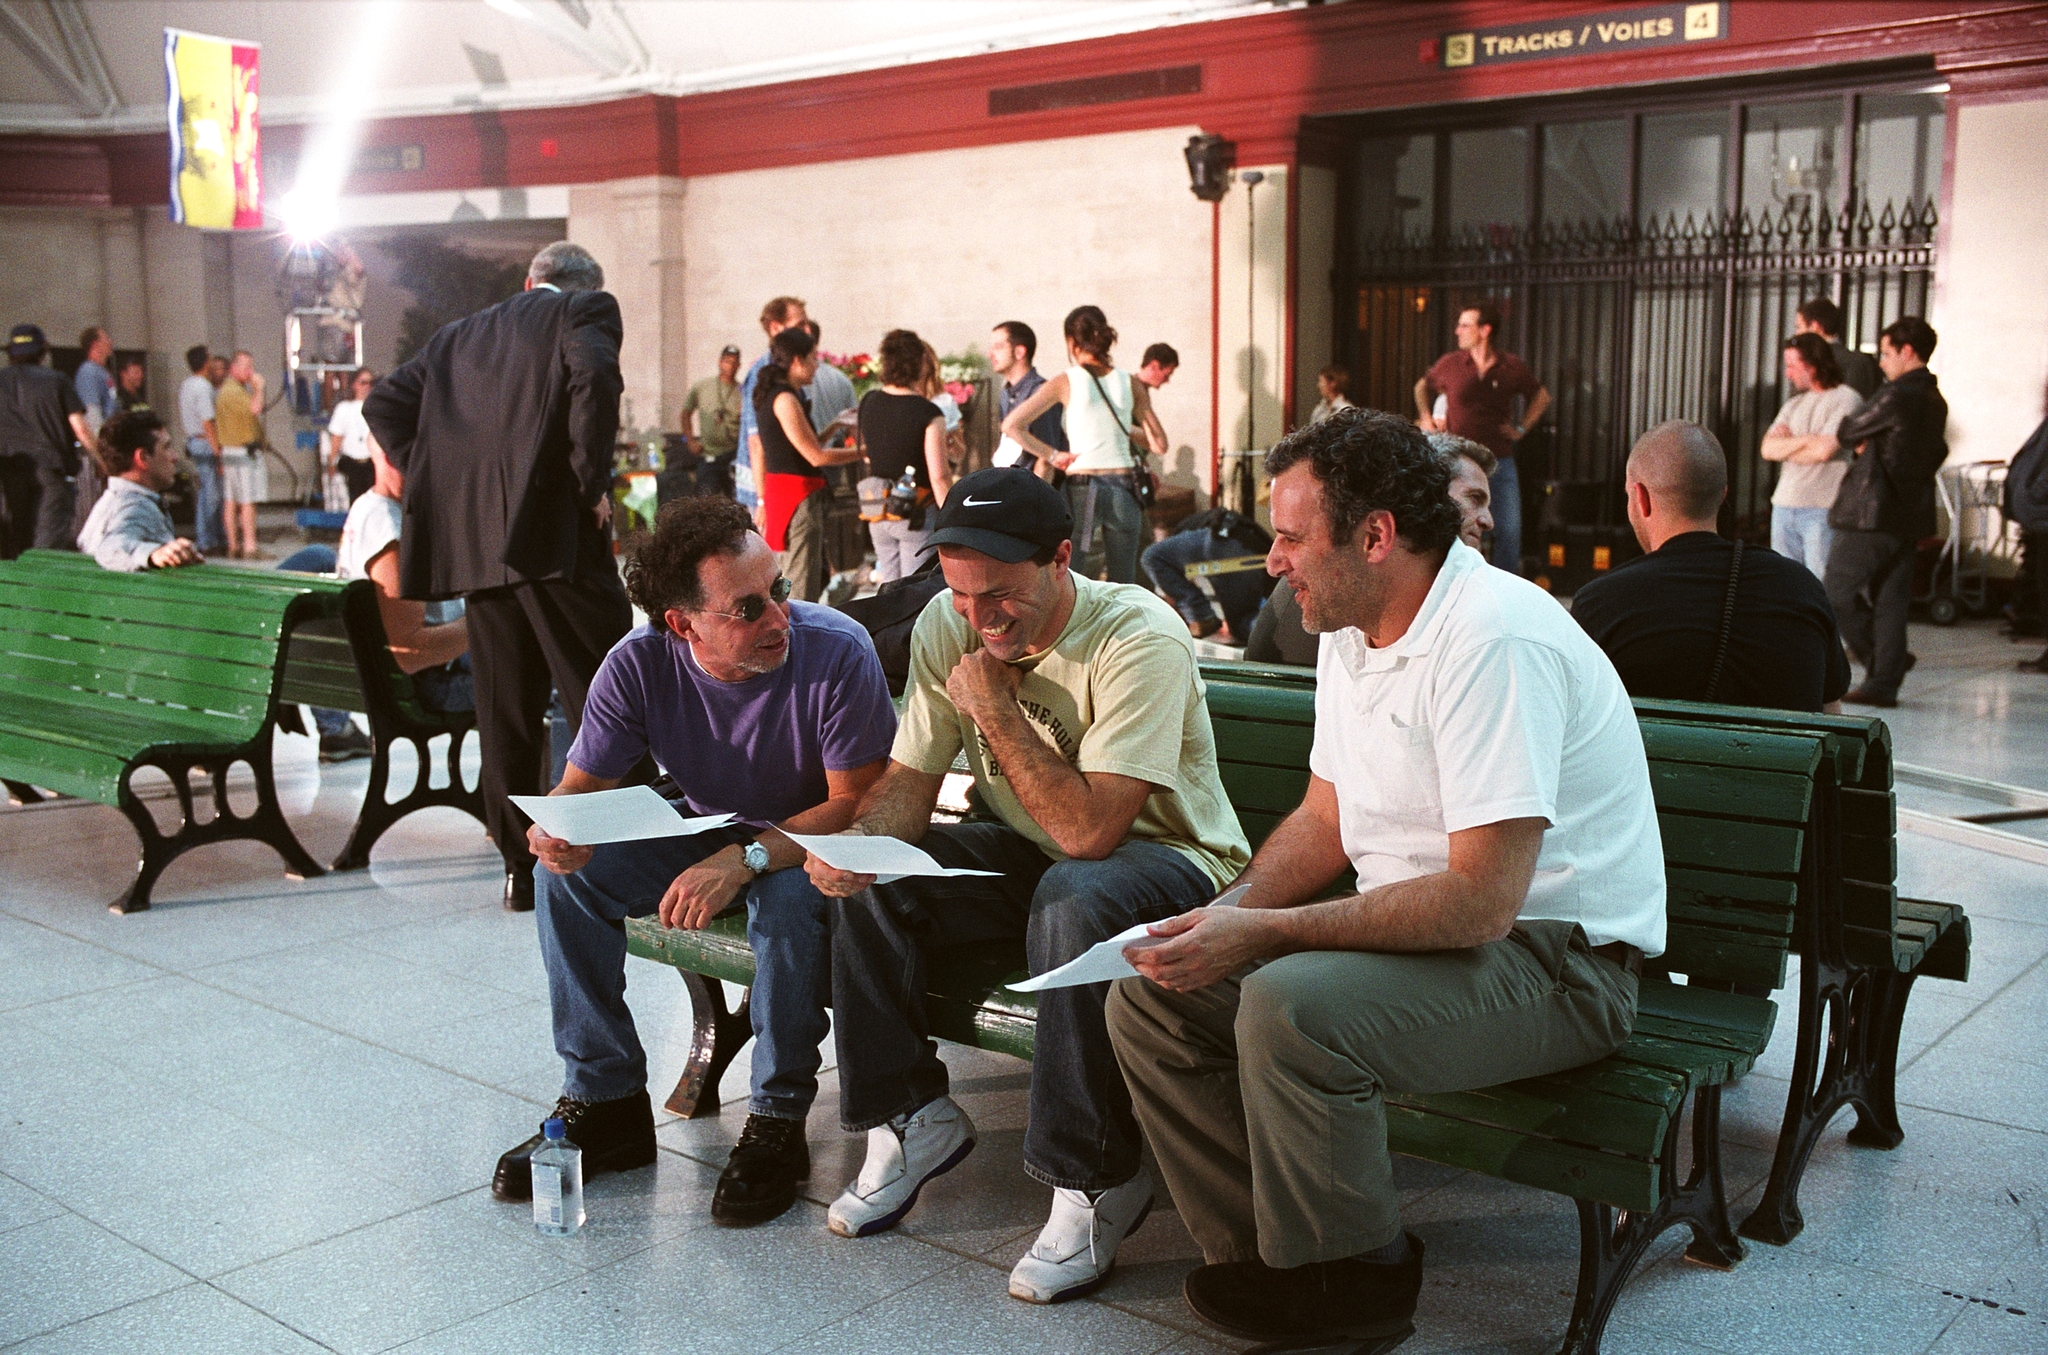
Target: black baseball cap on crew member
1005,512
731,350
26,341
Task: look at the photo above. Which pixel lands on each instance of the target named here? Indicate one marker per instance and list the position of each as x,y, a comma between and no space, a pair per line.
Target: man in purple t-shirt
773,710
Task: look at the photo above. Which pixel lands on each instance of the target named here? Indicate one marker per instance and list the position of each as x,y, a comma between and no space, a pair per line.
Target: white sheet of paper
1010,452
1104,961
628,814
885,858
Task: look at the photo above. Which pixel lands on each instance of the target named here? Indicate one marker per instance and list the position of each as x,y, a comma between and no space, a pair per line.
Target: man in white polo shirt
1477,763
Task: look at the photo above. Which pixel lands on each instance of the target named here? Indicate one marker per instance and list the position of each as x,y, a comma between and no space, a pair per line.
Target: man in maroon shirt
1479,384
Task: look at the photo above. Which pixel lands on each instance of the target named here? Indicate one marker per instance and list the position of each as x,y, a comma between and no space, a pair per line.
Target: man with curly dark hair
773,710
1477,764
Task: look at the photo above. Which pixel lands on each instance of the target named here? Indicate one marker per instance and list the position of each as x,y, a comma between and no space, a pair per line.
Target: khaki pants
803,563
1262,1095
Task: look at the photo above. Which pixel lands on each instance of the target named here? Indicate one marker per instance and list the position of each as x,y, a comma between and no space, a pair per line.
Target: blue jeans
207,531
583,944
1803,534
1506,486
1081,1134
1166,564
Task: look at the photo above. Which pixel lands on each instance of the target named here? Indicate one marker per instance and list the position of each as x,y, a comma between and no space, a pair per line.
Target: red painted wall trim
1261,76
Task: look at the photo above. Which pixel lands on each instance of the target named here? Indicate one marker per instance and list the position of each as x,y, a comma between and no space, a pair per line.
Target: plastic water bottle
557,1183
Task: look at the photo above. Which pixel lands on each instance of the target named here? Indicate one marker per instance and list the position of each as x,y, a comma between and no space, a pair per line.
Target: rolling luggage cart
1971,494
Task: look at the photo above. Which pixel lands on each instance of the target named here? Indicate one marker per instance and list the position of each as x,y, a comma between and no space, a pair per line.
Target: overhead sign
216,152
1609,32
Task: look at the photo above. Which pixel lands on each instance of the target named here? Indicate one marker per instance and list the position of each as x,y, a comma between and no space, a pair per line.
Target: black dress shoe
1323,1301
1858,696
759,1181
615,1136
518,891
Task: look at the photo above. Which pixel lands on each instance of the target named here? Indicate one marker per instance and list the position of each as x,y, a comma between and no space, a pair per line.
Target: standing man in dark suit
503,428
1884,507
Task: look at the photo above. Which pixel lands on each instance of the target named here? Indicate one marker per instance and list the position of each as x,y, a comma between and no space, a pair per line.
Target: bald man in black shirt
1660,617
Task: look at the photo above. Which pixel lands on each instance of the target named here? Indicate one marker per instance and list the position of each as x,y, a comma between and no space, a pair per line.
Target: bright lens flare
312,209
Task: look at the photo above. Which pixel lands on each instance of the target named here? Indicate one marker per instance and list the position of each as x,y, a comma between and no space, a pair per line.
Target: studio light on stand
1245,489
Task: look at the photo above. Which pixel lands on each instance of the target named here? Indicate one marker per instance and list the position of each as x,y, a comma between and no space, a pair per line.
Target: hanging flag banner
216,155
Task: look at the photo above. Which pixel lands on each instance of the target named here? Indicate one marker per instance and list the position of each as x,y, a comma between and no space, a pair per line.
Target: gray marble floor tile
1782,1299
343,986
1955,1077
709,1291
195,1318
1983,1330
969,1308
63,1269
2014,1024
20,1205
385,1284
1950,1208
38,964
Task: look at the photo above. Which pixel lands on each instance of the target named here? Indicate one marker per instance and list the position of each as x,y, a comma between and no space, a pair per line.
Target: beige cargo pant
1262,1095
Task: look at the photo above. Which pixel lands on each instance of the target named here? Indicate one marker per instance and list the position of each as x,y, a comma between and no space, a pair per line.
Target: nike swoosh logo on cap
971,502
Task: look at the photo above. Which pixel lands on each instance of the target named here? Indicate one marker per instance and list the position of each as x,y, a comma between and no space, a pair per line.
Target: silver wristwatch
755,858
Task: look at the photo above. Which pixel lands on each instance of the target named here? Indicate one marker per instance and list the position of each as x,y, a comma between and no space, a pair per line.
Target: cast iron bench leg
266,825
1612,1241
1877,1109
378,813
717,1039
1855,1065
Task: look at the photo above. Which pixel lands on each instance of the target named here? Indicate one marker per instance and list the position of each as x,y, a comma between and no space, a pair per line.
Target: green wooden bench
342,661
109,673
1862,945
1611,1135
1861,948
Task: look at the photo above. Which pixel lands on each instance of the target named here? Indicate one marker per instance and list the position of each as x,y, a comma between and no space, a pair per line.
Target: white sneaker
902,1155
1078,1245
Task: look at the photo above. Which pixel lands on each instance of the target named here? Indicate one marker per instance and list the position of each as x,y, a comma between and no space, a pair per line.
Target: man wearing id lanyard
773,710
1478,765
1085,723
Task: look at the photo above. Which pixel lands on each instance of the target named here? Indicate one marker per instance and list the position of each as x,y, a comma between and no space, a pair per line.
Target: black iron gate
1631,325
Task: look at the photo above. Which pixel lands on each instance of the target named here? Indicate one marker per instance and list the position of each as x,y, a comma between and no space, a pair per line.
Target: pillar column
635,229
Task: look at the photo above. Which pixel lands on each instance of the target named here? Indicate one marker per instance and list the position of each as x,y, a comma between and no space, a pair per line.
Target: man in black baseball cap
1004,512
1083,720
40,418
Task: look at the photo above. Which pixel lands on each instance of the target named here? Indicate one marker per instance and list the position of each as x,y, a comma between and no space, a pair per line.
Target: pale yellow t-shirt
1118,692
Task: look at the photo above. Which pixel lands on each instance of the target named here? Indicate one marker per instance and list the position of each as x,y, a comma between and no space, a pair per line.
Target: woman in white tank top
1103,406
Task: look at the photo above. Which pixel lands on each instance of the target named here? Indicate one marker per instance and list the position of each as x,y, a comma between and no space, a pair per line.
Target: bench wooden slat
203,617
20,624
1870,858
1725,747
1275,790
62,767
1761,848
1781,796
1275,745
1870,813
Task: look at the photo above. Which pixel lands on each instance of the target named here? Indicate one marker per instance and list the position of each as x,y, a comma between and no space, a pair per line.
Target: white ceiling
446,55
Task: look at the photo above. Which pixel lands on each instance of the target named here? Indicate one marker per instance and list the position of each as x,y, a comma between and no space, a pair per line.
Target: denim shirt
1050,427
125,527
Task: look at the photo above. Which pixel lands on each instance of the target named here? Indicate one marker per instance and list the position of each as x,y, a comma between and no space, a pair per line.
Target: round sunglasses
753,607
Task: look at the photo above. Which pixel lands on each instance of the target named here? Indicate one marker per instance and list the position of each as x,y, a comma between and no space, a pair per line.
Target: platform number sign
1608,32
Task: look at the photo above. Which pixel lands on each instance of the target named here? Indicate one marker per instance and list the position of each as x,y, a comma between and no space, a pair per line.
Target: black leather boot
1324,1300
615,1136
759,1181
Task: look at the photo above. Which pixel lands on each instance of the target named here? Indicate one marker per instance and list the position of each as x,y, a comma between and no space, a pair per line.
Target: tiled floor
261,1117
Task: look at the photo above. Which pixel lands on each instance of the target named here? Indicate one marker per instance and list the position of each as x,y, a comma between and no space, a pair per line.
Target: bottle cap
553,1129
